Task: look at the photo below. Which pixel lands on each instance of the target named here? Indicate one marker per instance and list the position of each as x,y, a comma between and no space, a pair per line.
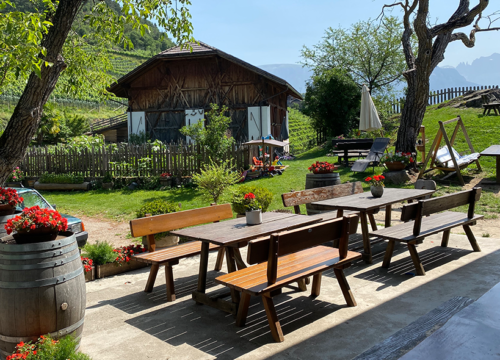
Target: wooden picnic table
494,150
232,235
365,203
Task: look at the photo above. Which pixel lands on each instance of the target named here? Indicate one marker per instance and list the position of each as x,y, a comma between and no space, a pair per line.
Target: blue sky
265,32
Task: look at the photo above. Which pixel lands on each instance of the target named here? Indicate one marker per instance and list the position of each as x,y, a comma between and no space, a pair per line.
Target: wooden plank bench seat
429,217
149,226
288,257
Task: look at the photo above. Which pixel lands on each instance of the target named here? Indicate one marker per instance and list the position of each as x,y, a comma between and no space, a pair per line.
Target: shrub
61,179
157,207
215,179
47,349
101,252
107,178
17,175
262,195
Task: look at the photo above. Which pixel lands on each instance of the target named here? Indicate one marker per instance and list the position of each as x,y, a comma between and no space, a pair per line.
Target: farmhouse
177,86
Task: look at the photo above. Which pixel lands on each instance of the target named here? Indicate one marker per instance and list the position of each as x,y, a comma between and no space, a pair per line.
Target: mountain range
482,71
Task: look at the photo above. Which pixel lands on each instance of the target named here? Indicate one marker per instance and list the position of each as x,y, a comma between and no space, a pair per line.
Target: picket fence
125,160
439,96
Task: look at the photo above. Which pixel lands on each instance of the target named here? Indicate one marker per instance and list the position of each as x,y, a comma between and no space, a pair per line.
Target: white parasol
369,119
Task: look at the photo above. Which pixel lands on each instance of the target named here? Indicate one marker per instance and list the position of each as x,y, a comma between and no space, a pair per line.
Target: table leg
498,169
367,255
388,210
202,275
231,267
346,158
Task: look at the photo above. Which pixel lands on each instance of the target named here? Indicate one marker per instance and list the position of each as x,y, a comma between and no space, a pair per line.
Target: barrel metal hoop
48,245
44,255
45,265
43,282
55,334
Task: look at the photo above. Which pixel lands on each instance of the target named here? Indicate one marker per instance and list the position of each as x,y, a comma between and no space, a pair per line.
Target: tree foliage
332,100
368,50
215,136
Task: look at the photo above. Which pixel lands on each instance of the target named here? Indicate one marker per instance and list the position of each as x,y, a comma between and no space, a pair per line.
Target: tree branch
461,18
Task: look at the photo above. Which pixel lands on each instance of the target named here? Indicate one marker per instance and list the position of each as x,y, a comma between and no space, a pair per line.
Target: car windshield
33,199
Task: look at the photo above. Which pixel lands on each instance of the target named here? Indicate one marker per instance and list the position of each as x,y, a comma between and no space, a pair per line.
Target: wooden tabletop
493,150
366,202
236,230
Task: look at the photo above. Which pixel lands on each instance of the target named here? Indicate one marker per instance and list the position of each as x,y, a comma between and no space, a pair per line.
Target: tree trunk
26,117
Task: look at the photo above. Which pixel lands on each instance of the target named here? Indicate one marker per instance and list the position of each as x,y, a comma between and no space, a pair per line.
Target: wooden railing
125,160
439,96
105,123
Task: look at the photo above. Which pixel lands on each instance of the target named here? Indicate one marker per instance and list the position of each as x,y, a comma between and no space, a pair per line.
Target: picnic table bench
149,226
288,257
430,217
488,105
352,147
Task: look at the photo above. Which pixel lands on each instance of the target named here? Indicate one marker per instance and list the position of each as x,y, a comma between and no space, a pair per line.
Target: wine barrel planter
320,180
42,291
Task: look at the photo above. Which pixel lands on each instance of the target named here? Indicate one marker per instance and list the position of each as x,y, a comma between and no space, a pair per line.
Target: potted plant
36,225
88,267
397,161
376,185
47,348
15,178
253,209
166,179
107,181
159,207
262,195
322,167
9,198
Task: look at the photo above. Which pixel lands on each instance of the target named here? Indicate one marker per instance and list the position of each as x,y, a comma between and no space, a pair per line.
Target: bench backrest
427,207
486,99
288,242
151,225
297,198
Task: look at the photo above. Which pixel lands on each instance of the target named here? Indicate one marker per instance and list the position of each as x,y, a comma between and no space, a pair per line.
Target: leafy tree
215,178
214,137
41,45
333,100
429,52
369,51
50,123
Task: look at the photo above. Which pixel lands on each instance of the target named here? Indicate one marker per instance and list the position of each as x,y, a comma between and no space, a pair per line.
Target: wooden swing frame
449,143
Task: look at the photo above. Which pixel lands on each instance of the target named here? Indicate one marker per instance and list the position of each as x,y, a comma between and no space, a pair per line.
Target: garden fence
125,160
439,96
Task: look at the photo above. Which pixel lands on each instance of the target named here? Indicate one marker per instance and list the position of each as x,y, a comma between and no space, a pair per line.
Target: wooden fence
125,160
439,96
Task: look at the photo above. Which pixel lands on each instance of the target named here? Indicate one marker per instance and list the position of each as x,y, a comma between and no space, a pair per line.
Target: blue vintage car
33,197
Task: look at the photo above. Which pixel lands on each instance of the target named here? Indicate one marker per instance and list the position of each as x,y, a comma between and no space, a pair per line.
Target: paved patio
123,322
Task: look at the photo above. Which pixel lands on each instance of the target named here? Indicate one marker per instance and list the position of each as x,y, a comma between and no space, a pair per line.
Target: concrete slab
123,322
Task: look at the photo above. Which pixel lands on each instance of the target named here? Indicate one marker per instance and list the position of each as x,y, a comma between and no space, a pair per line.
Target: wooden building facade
177,86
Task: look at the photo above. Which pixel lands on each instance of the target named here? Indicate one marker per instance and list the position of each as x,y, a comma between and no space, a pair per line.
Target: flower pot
113,269
7,209
14,184
107,186
254,217
167,241
322,172
377,191
37,235
90,275
166,181
395,165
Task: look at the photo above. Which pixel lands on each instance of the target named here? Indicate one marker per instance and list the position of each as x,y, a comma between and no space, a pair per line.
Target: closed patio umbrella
369,120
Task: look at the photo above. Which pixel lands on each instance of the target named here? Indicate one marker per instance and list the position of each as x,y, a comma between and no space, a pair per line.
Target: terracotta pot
37,235
377,191
395,165
254,217
7,209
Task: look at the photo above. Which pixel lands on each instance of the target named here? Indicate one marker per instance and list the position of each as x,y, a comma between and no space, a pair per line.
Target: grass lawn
122,204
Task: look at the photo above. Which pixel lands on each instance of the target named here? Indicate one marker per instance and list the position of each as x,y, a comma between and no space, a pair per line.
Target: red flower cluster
376,180
321,166
125,253
249,196
166,175
10,196
23,350
34,217
87,264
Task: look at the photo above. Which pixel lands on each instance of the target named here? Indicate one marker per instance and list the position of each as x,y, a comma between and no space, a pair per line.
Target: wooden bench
149,226
288,257
430,217
488,105
297,198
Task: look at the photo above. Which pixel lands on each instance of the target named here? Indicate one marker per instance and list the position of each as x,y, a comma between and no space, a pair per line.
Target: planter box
90,276
83,186
112,269
14,184
107,186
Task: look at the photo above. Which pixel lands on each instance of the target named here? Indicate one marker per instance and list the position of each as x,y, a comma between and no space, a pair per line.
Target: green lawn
122,205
